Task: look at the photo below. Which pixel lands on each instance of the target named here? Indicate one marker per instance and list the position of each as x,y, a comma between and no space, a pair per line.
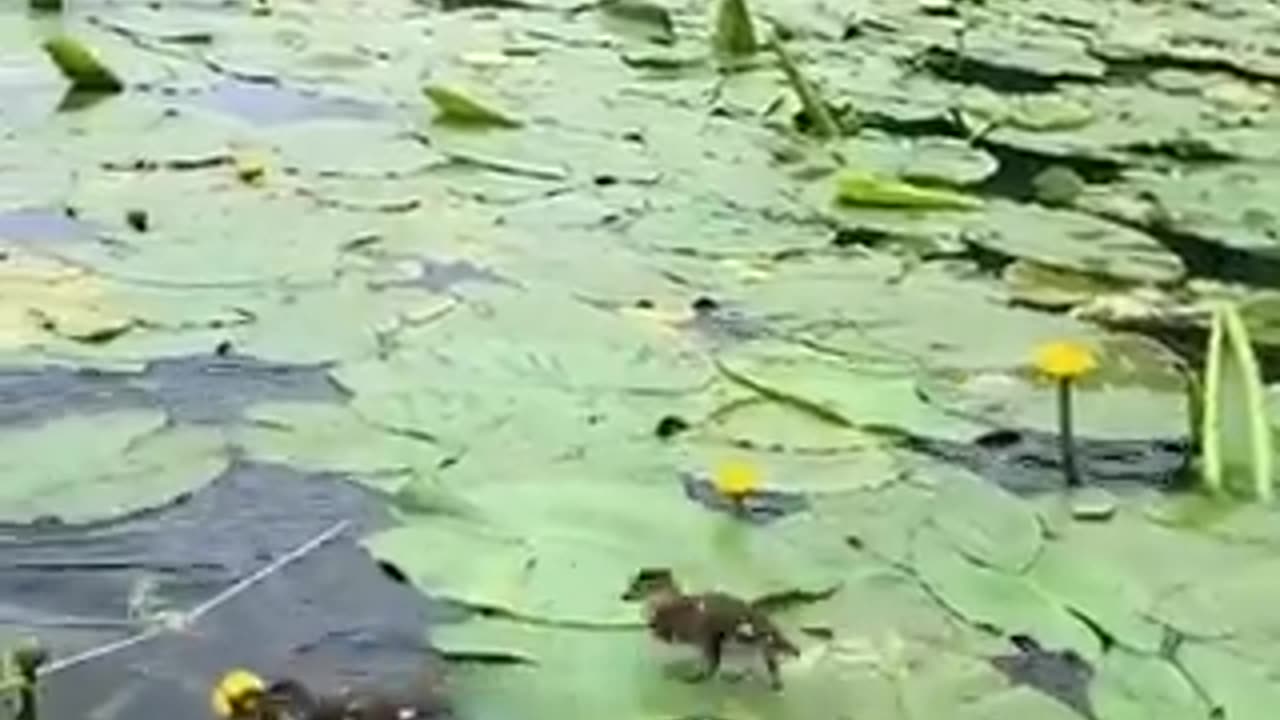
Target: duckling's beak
236,695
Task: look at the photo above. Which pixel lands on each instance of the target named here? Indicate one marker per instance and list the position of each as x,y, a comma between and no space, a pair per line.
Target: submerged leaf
79,65
454,106
869,190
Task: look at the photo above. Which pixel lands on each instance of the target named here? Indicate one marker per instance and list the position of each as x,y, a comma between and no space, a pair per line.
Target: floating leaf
79,65
1237,435
1137,687
999,601
1243,690
454,106
562,553
869,190
1094,588
92,467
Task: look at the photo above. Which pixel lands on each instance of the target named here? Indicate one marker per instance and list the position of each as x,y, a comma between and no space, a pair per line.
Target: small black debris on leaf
138,220
704,304
670,426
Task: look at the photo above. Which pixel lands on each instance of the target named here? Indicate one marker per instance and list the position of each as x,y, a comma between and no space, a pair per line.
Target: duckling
708,621
242,695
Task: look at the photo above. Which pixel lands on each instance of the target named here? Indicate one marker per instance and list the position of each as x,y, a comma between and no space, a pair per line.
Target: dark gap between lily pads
329,618
948,64
191,389
1015,180
1060,674
1027,462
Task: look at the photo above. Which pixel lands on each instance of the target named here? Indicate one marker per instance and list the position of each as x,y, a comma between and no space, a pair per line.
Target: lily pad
1060,238
999,601
123,461
1132,686
868,396
331,438
564,554
1094,588
625,675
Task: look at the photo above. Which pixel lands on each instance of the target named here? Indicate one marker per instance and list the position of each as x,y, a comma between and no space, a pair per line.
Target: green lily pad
1091,586
564,552
990,598
1138,391
1060,238
930,161
1239,687
984,522
332,438
622,674
1130,686
123,461
844,393
1054,288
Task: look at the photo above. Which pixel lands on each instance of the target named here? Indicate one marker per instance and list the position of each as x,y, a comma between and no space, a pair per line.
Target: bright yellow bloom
250,168
233,691
1065,360
736,479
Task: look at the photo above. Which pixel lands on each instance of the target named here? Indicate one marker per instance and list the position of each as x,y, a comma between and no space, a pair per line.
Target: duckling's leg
711,651
771,664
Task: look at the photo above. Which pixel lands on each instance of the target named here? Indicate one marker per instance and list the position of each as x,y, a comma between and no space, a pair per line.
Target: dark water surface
330,615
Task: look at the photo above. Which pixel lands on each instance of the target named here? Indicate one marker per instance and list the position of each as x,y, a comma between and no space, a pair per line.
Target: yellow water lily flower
1065,360
251,168
736,479
235,692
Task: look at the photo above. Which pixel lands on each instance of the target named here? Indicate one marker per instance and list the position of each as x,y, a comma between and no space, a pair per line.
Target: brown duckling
242,695
710,621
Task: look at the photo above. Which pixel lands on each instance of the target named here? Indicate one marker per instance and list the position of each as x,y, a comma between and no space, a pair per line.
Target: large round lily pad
563,551
91,467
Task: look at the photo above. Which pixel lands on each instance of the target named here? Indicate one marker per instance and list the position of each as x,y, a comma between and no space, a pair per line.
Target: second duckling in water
711,621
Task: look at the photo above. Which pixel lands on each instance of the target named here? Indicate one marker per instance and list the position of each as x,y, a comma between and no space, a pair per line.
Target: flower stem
1066,436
